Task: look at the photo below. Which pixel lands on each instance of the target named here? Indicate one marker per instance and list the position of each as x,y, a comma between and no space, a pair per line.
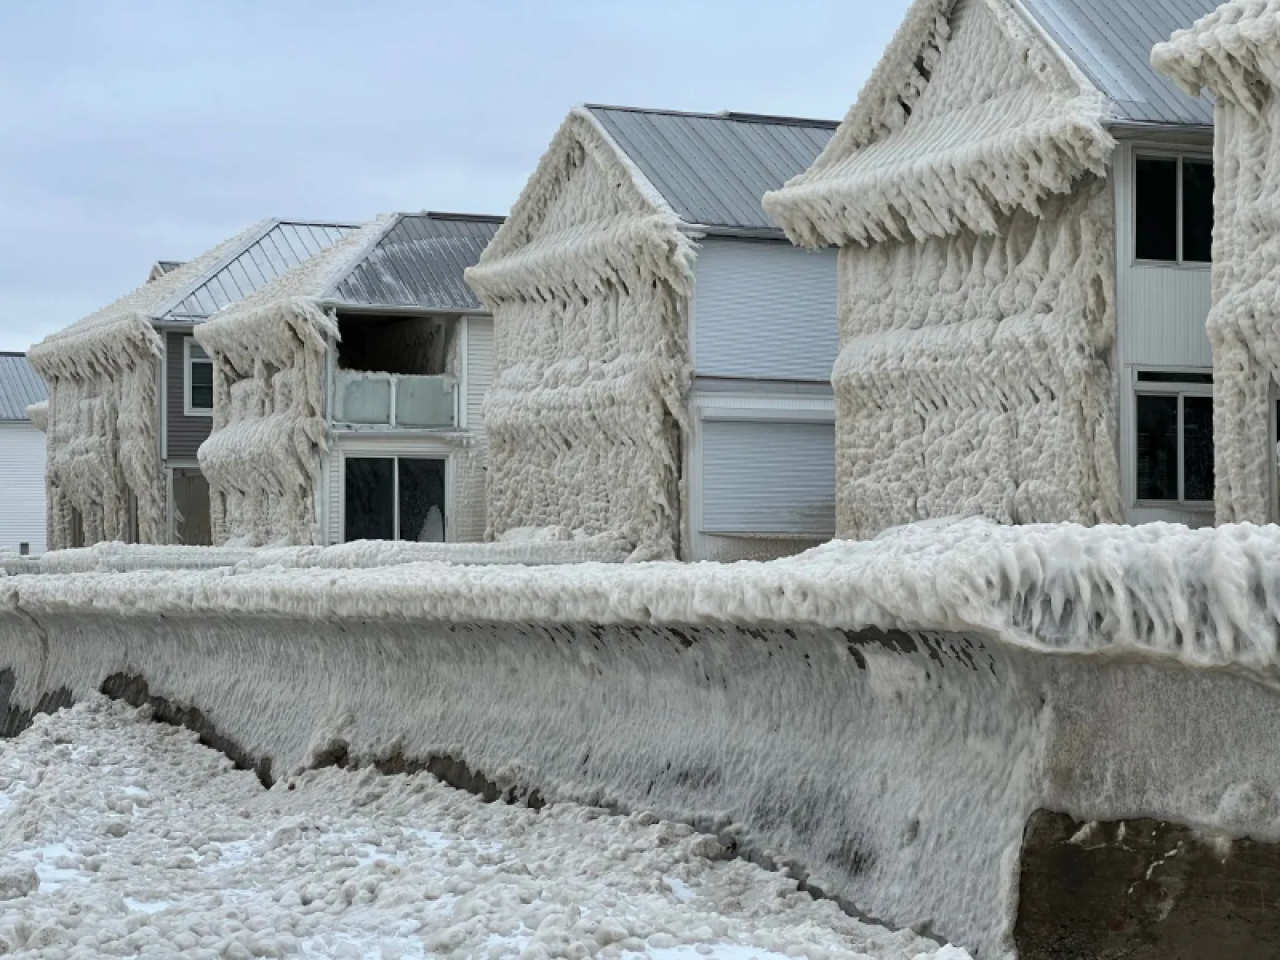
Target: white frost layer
38,414
588,281
143,842
1233,53
121,558
1206,598
970,116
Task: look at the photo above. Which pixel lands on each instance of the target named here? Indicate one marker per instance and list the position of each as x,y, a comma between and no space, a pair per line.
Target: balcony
395,400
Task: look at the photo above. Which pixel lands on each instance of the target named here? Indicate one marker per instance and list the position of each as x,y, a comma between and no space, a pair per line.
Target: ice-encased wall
263,457
588,282
967,191
102,426
882,716
1232,52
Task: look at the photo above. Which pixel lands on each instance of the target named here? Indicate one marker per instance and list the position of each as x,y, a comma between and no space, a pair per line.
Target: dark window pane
1197,211
1164,376
202,386
370,498
1157,448
422,500
1157,229
1197,448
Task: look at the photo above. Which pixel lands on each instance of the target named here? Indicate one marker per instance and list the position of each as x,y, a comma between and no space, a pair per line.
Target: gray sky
142,131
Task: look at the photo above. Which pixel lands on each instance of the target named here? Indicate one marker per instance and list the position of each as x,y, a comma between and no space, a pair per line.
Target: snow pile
269,352
1232,53
976,280
588,282
122,837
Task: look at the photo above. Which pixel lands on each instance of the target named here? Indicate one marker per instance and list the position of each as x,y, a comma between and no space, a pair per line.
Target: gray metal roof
714,168
419,262
1111,41
281,246
20,386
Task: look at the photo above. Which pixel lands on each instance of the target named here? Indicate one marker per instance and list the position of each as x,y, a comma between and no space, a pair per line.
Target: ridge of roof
465,217
729,115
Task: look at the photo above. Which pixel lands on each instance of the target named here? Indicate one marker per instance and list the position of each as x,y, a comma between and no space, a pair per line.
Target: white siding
1160,316
479,369
332,511
764,311
22,477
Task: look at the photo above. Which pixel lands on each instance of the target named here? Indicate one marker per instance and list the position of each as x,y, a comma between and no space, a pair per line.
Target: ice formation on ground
103,415
588,281
123,837
1232,53
967,190
270,352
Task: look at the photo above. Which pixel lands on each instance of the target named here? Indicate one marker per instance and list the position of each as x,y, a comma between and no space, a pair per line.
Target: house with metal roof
663,353
1023,209
22,458
131,395
347,393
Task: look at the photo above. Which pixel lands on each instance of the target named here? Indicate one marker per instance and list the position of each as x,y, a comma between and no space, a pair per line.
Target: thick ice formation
269,351
103,414
588,282
977,309
1232,53
123,837
38,414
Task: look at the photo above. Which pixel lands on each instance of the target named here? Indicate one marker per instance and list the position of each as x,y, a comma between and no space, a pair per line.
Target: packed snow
124,837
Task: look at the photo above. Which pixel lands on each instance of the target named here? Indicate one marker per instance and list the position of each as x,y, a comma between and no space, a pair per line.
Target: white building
348,393
664,356
22,459
1023,208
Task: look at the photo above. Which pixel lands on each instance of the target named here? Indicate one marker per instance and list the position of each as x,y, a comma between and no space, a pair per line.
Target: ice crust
883,715
1232,52
588,281
967,191
128,838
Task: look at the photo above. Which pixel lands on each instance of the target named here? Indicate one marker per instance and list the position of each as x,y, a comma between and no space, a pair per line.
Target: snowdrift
884,718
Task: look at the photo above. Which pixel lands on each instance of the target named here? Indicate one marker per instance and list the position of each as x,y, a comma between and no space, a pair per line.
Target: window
1174,209
198,392
1174,437
394,498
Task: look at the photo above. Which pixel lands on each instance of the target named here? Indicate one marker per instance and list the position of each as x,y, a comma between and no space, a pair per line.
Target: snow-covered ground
122,837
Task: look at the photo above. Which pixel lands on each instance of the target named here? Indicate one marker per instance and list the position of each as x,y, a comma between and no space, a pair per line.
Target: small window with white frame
1173,459
198,387
1173,208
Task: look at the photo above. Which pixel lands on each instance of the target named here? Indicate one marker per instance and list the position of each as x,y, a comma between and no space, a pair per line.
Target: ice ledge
1206,598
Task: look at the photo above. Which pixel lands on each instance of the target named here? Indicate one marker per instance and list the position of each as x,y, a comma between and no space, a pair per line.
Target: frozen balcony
395,400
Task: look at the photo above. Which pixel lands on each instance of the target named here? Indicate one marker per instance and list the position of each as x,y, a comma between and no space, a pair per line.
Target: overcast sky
140,131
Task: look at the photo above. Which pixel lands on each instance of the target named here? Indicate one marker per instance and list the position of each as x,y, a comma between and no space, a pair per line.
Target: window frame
1180,390
188,409
1150,153
395,458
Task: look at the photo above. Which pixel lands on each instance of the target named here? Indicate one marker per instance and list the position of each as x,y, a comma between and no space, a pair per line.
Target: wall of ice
1232,54
882,716
966,189
588,282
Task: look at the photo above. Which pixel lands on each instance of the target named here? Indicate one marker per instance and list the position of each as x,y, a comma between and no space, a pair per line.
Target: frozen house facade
1023,208
130,392
663,355
1231,54
22,458
348,393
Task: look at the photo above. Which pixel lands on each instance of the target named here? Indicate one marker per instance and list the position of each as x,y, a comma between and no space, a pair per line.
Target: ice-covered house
22,458
347,393
131,392
1232,54
663,354
1023,208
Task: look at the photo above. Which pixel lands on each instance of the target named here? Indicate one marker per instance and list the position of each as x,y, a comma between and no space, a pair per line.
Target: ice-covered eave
272,333
1204,598
38,414
86,351
1231,53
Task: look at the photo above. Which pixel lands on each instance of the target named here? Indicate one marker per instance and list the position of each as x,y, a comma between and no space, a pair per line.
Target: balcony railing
395,400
